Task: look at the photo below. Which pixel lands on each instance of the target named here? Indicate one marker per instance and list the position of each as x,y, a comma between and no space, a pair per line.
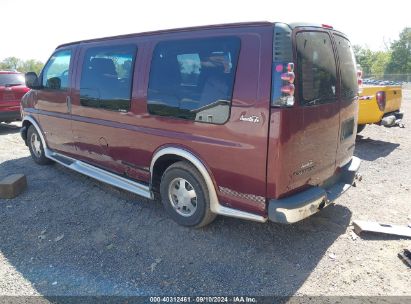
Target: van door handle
68,102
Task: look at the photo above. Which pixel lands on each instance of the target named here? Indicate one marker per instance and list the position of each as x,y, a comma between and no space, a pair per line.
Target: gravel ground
68,234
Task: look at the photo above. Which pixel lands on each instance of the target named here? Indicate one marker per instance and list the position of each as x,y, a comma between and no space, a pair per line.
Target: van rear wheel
36,147
184,195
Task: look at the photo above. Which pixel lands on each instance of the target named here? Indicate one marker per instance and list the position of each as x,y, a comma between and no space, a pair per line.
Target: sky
33,29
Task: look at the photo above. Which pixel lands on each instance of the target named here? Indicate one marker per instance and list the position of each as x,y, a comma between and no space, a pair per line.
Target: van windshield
349,84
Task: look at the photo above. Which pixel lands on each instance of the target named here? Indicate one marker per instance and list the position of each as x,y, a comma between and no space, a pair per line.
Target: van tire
36,147
191,212
360,128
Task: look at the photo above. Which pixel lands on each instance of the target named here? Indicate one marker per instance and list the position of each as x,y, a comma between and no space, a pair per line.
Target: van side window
316,68
349,84
56,72
193,79
106,78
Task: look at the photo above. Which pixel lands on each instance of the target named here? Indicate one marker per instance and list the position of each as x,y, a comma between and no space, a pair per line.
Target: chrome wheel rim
182,196
35,144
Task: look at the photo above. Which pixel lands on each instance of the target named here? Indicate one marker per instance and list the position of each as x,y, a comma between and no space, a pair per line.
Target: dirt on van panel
68,234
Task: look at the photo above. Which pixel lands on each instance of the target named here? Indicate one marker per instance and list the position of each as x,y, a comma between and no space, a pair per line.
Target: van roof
187,29
176,30
304,24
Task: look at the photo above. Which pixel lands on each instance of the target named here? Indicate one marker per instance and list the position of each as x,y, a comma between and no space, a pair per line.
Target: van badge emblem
307,165
304,168
254,119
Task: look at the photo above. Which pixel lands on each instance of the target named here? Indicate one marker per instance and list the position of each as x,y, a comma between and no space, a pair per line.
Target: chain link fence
390,77
400,79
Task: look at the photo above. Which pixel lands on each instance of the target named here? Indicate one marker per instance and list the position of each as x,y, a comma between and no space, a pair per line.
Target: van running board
100,174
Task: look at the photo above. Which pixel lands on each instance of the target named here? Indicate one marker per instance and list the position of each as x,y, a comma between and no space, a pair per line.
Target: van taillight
288,89
284,85
283,76
380,96
289,76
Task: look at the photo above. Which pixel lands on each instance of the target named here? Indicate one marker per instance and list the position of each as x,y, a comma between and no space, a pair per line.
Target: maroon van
253,120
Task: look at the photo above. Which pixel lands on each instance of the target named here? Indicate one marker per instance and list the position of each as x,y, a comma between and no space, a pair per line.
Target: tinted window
193,79
349,84
316,68
11,79
106,78
56,72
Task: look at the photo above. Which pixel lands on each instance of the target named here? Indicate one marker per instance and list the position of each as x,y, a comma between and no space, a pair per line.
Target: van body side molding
141,189
215,205
90,170
100,174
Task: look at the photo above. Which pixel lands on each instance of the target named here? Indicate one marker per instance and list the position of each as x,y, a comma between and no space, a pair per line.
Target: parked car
12,89
380,105
209,118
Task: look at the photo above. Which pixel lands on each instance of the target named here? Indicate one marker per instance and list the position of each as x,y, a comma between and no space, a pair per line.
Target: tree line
24,66
395,59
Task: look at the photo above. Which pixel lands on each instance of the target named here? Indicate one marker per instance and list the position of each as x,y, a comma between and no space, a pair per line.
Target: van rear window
106,77
349,84
193,79
316,68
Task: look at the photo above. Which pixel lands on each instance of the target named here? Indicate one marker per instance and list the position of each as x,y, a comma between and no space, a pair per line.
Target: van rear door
316,84
305,124
348,99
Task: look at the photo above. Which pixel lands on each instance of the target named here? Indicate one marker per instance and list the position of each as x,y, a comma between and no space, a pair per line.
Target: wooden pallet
12,185
365,226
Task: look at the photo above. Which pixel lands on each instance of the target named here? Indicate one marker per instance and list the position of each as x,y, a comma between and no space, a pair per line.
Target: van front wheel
36,147
184,195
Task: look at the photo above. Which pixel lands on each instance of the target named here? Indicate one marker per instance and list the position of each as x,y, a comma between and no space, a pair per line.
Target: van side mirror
32,80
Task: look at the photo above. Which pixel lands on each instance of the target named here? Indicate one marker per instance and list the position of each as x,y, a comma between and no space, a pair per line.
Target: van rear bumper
303,204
